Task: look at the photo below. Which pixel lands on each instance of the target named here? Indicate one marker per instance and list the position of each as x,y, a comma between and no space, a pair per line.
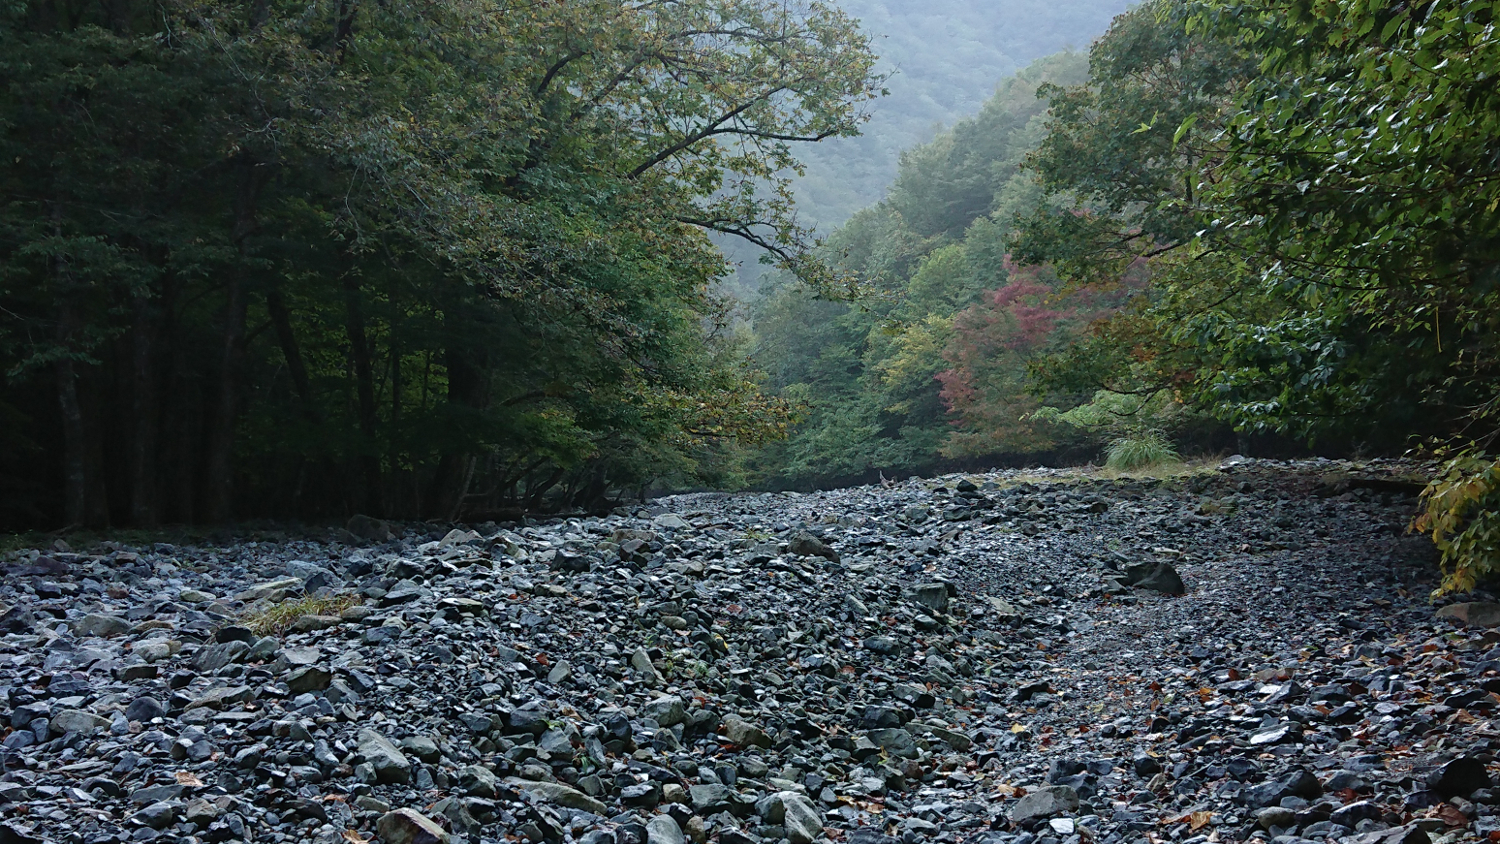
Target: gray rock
77,721
744,734
933,596
562,795
389,764
407,826
102,626
1047,801
478,781
308,678
662,829
800,819
640,660
1157,577
666,711
269,588
709,798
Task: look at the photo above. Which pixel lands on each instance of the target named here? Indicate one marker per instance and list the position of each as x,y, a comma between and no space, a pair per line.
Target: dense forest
292,259
1268,218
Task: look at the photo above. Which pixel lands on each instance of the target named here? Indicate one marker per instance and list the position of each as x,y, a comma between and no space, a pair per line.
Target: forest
456,257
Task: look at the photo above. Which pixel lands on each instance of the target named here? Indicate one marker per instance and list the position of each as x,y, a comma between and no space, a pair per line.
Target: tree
407,258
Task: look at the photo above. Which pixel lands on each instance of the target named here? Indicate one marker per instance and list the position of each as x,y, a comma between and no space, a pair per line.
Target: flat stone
1047,801
308,678
77,721
666,711
562,795
407,826
269,588
1473,613
102,626
743,733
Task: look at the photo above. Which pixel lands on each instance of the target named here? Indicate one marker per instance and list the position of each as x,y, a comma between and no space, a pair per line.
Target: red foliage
995,339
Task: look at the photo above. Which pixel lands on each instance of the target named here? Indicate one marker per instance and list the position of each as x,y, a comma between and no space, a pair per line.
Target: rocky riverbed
1006,658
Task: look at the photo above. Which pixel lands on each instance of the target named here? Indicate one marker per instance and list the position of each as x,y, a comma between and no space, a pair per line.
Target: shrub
1461,510
1139,451
279,618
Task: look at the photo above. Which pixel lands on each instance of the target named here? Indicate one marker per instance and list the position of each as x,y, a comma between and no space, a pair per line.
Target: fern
1139,451
1461,511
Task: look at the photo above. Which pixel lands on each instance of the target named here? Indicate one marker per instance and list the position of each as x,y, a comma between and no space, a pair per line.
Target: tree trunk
286,338
144,511
218,465
364,378
466,387
85,501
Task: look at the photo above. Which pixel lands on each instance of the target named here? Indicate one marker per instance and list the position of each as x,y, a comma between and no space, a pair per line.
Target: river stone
1473,613
800,818
407,826
102,626
390,764
662,829
1157,577
743,733
666,711
269,588
1045,802
562,795
77,721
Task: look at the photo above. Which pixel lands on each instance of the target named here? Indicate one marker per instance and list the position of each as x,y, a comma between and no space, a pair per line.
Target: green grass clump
277,619
1139,451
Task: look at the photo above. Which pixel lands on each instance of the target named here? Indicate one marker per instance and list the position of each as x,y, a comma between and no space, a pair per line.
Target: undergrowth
1139,451
278,618
1461,510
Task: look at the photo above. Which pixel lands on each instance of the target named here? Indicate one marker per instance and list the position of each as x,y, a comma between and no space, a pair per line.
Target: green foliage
1144,450
1313,190
880,378
419,258
1461,511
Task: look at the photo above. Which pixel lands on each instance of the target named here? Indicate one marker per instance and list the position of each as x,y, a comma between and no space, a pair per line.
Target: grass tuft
1140,451
277,619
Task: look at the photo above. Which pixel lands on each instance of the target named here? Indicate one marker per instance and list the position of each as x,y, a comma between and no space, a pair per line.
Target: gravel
1007,658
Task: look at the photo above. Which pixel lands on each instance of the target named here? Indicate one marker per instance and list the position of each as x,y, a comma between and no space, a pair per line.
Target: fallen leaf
189,779
1199,820
1451,816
